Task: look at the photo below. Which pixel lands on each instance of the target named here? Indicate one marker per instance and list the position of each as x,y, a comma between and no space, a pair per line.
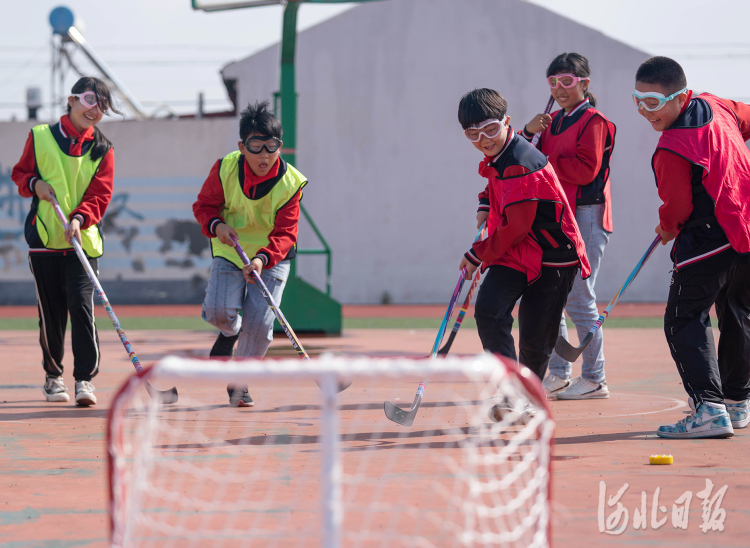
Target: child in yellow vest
253,195
73,161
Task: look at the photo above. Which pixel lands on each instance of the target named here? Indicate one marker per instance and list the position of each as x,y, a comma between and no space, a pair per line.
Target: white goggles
489,128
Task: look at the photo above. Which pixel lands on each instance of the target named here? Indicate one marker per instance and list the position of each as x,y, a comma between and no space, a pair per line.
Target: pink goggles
564,80
489,128
88,99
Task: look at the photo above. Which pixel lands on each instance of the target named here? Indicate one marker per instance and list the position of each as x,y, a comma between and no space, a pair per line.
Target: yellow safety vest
252,219
69,177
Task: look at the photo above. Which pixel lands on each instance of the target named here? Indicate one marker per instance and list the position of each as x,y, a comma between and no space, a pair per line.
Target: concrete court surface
53,486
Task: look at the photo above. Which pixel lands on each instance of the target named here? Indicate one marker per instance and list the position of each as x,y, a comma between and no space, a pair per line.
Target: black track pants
687,325
538,314
63,288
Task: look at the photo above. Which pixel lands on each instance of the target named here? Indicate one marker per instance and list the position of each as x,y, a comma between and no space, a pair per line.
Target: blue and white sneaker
739,413
709,420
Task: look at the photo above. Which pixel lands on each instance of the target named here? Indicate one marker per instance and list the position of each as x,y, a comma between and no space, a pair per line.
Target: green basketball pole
319,313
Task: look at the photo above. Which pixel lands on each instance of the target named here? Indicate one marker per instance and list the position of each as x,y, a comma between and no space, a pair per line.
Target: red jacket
208,206
579,145
99,192
530,224
702,169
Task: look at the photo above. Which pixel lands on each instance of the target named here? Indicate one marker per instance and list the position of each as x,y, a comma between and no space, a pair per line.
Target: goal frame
328,372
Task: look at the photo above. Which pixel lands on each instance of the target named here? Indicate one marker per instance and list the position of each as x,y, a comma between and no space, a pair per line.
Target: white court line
22,422
679,404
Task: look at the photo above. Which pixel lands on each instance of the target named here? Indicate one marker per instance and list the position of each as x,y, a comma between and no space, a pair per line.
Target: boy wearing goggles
578,140
253,195
533,248
702,169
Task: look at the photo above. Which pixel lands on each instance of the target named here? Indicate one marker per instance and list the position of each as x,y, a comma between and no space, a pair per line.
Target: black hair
104,97
256,119
479,105
663,71
575,64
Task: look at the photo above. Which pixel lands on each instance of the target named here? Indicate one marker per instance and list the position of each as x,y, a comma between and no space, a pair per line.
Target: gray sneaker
553,384
85,394
55,389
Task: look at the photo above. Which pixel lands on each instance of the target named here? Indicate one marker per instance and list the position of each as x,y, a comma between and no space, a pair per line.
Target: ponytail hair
575,64
104,96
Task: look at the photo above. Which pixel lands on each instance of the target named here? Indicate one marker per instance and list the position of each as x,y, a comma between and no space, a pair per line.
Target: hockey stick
275,308
165,396
569,352
547,110
475,282
402,416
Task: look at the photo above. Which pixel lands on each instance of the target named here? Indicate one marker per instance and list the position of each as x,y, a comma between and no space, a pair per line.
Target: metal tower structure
66,39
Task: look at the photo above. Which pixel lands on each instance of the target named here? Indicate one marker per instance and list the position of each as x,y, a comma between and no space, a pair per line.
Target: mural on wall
149,232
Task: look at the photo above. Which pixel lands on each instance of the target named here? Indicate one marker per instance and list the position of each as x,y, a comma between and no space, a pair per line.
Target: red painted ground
624,310
53,472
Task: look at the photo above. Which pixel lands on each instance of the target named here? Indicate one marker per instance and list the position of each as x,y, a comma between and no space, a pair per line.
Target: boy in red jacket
253,195
533,249
702,169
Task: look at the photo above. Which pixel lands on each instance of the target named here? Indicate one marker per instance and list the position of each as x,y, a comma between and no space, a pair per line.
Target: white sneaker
55,389
85,394
521,411
553,384
582,389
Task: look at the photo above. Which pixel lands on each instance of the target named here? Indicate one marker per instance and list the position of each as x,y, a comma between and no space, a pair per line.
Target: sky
166,53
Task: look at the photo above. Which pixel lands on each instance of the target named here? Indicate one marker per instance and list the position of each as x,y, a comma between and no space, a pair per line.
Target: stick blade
398,415
569,352
165,397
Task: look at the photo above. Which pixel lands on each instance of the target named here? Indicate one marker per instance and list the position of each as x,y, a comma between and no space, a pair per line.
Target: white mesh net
308,467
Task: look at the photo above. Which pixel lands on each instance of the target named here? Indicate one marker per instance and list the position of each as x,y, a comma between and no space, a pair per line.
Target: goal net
311,466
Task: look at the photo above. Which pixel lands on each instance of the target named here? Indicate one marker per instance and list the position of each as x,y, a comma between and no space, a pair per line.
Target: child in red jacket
73,161
702,169
579,141
533,250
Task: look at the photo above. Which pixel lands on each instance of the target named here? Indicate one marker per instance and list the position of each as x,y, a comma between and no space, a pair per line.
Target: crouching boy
253,195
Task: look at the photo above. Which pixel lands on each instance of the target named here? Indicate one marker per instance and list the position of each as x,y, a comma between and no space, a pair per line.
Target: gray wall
393,182
153,250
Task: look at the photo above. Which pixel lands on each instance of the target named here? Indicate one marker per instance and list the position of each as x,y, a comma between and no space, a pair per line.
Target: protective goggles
489,128
565,80
652,100
88,99
256,144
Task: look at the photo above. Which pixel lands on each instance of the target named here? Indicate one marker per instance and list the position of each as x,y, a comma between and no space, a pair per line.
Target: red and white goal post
308,466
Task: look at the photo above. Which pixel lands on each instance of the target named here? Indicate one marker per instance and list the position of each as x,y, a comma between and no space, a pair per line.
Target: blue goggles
652,100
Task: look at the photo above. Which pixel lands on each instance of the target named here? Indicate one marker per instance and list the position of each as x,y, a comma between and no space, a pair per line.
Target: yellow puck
660,459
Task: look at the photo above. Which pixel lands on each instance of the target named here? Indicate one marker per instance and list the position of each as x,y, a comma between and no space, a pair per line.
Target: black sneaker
239,396
224,346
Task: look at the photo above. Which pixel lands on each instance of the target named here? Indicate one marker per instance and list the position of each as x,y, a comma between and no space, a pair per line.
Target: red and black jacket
579,145
708,137
521,178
